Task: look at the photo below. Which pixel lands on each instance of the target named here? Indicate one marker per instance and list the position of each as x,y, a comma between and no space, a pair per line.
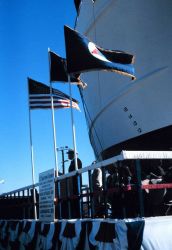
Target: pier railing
130,198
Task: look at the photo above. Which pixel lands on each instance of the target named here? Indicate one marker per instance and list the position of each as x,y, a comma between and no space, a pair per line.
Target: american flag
40,97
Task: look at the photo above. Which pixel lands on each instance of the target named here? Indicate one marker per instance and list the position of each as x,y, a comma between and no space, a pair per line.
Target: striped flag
40,97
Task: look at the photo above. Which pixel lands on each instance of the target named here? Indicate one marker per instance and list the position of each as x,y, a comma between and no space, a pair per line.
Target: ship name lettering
135,123
139,130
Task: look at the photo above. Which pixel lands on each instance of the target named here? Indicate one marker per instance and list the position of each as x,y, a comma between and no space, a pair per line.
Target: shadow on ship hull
158,140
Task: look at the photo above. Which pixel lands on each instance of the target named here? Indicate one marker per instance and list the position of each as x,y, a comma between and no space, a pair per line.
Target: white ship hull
124,114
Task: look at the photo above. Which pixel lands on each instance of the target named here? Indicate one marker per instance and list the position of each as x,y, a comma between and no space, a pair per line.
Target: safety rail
19,203
90,203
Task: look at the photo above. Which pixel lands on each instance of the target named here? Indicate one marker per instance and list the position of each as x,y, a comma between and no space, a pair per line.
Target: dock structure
137,201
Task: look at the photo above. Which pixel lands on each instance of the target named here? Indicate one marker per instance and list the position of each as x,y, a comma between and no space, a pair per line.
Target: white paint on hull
121,109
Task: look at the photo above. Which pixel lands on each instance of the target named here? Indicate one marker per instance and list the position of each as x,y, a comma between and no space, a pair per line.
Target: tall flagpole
53,123
70,91
73,125
32,159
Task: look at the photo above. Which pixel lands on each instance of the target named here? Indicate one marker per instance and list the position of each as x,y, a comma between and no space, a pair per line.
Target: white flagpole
53,124
73,126
32,158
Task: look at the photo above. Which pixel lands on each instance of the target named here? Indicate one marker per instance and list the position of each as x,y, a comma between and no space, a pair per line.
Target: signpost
46,195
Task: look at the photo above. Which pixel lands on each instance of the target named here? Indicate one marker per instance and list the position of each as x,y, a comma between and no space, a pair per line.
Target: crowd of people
124,202
109,189
116,178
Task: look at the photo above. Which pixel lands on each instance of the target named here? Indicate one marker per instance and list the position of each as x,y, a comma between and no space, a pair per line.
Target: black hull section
157,140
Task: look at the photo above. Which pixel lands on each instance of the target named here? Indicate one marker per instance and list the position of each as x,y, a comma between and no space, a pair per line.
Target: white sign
46,195
147,154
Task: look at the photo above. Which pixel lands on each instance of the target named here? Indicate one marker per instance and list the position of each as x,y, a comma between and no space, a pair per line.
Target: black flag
77,5
83,55
40,97
58,71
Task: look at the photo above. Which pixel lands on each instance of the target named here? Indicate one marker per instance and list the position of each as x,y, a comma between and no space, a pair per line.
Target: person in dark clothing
156,169
115,198
71,157
74,185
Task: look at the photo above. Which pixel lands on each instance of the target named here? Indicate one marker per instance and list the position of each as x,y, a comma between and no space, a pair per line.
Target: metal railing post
68,199
91,206
79,182
139,188
58,200
104,184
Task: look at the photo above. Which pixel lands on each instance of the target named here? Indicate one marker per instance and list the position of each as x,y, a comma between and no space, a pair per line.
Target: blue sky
27,29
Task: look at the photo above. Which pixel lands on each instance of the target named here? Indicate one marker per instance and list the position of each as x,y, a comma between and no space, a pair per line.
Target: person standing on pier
74,184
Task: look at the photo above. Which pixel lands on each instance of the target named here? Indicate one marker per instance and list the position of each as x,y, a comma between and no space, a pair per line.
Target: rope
86,111
98,74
